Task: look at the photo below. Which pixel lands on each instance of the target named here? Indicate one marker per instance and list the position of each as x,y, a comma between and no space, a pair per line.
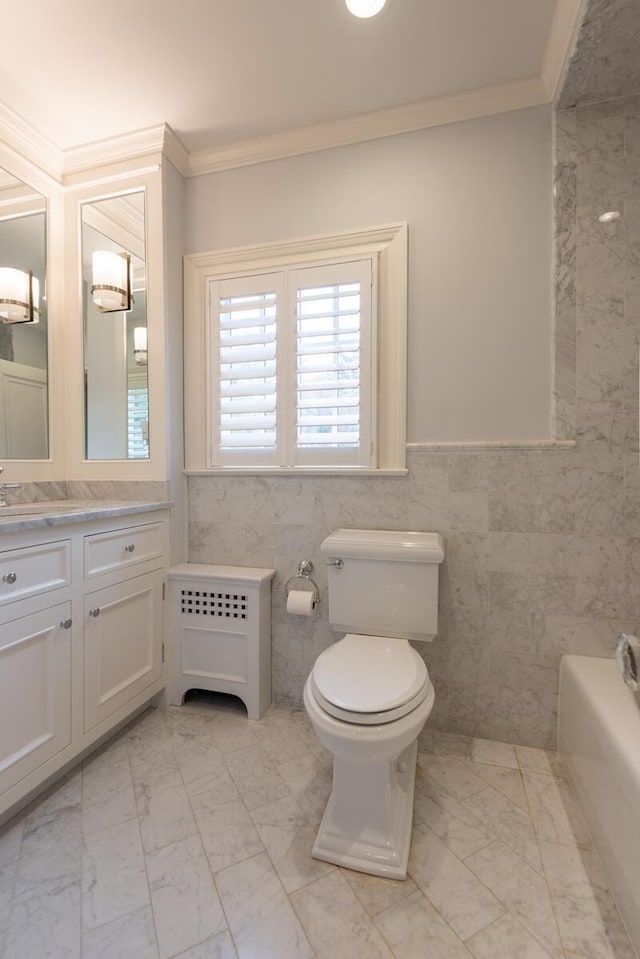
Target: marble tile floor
189,835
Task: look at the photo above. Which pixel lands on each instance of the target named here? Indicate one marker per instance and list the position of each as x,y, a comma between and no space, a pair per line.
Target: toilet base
381,847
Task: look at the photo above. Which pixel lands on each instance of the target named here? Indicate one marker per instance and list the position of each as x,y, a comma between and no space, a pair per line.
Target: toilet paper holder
305,569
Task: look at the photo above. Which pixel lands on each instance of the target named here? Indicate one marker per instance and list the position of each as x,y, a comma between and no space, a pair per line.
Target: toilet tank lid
385,544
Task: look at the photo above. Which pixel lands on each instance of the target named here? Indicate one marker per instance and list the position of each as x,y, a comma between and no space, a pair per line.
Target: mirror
24,431
115,328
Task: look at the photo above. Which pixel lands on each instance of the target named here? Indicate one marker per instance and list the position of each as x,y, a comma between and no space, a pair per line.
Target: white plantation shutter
242,354
291,366
333,363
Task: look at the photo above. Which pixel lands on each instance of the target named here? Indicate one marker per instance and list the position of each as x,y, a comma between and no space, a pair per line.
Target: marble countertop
26,516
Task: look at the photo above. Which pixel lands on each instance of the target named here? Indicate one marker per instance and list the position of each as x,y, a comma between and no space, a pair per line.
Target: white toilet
369,695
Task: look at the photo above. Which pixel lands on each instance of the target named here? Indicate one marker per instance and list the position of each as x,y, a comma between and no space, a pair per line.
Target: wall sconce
140,353
111,289
19,296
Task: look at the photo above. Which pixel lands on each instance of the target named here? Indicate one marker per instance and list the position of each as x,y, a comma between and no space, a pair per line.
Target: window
295,354
291,366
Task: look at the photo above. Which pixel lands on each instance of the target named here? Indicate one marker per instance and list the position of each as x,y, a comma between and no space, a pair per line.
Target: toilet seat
369,680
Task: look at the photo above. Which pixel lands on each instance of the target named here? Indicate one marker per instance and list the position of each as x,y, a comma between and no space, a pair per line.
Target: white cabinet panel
34,570
35,691
122,548
122,644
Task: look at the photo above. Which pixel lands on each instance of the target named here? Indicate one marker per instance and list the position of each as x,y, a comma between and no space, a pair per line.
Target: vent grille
224,605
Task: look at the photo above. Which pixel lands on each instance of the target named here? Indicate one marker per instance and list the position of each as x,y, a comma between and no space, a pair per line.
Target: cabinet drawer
121,548
34,569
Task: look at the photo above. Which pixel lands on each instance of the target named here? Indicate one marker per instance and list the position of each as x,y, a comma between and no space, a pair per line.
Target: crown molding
371,126
175,151
563,37
136,145
30,144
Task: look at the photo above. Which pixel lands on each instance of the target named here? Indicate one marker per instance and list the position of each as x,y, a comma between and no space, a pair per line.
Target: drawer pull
130,548
66,624
95,612
9,578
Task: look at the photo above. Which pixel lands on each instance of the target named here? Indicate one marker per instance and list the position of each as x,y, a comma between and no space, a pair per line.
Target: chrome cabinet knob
66,624
95,612
130,548
9,578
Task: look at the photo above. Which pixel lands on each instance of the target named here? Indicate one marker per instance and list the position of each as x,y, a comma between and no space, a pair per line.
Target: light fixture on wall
140,353
19,296
365,8
111,289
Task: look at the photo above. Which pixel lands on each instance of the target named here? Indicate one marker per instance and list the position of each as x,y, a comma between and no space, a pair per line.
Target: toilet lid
370,675
372,719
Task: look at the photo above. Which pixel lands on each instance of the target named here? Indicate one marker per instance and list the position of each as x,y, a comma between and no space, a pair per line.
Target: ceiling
223,71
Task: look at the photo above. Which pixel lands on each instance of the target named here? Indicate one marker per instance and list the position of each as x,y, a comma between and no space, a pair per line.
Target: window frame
388,246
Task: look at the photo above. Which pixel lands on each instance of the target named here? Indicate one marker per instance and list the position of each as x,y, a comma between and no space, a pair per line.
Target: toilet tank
383,582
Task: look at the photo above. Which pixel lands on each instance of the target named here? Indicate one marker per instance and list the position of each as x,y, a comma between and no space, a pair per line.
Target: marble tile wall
605,62
137,491
542,545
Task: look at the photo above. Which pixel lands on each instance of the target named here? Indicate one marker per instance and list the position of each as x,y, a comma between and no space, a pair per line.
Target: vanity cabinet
81,638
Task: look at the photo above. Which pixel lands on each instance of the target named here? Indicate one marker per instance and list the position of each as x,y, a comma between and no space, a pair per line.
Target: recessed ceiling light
609,217
365,8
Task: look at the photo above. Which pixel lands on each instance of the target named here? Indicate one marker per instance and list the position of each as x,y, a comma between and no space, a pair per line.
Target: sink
38,509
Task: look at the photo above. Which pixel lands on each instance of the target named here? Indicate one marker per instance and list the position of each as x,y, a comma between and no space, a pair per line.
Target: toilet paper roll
301,602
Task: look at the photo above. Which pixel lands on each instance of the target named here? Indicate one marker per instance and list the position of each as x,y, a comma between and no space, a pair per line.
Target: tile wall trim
479,445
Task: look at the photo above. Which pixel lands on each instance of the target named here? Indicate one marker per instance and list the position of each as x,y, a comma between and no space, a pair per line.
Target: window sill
295,471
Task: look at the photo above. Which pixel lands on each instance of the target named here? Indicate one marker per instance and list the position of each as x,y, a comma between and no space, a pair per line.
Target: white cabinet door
122,644
35,691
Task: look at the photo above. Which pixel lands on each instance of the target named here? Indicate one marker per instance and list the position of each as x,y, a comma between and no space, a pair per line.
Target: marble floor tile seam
237,861
587,843
515,852
85,928
475,750
549,775
194,945
152,907
482,824
509,911
211,871
446,922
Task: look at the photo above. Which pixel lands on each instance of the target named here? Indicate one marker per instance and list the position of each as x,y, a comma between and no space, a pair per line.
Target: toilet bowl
368,698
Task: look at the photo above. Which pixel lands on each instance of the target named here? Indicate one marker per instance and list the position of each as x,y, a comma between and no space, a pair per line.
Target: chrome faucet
4,487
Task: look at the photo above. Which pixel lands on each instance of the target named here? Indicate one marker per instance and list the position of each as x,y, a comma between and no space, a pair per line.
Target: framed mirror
24,416
116,350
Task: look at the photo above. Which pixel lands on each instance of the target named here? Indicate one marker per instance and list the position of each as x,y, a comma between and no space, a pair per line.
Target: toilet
369,695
